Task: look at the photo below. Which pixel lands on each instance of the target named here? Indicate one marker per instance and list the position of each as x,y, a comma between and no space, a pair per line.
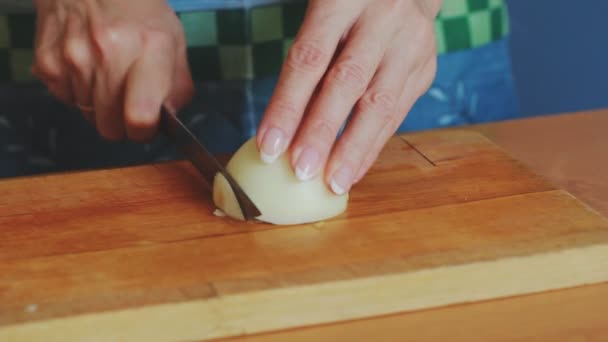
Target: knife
203,160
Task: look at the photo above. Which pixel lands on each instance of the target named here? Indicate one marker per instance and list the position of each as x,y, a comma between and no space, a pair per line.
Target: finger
344,83
314,46
148,85
48,63
377,115
78,57
419,76
373,152
182,88
116,47
406,102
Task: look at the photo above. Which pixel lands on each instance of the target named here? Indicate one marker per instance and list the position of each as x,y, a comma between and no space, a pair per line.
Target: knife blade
203,160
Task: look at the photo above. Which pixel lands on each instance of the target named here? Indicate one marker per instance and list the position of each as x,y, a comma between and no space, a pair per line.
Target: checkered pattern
249,43
463,24
241,43
16,41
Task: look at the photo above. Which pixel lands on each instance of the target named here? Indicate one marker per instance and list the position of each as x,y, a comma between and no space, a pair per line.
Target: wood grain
568,150
143,240
567,315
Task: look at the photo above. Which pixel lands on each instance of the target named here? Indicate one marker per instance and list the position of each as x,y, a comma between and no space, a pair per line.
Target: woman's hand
374,57
116,60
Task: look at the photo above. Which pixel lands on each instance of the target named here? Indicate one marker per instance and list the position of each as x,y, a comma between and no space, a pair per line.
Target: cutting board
136,254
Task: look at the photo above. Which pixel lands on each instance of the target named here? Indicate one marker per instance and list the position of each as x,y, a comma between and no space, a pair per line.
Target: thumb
148,85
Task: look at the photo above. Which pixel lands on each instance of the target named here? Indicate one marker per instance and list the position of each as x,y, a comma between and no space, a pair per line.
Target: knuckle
75,54
110,38
349,74
105,39
284,113
306,56
159,39
393,11
384,110
354,150
286,108
47,65
394,6
378,101
324,131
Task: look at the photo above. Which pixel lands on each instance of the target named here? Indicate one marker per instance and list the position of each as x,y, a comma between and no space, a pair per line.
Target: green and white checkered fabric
241,43
248,43
464,24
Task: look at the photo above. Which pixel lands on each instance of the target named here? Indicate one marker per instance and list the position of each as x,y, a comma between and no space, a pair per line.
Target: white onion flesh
281,197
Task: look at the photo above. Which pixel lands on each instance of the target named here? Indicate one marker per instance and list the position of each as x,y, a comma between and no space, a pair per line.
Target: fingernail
342,180
272,145
307,164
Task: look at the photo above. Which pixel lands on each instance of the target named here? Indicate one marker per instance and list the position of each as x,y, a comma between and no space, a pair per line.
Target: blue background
559,51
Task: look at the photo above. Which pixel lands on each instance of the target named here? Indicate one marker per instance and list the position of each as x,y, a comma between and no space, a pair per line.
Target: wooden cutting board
136,253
